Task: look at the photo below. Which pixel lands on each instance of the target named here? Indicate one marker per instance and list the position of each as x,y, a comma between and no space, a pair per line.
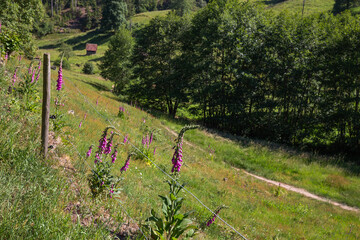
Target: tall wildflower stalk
101,178
57,120
177,156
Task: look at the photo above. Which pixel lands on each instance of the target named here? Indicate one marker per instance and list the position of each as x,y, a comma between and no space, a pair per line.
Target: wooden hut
91,48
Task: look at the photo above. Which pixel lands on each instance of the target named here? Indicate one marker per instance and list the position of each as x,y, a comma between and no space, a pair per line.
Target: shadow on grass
95,36
98,86
273,2
350,163
50,46
96,59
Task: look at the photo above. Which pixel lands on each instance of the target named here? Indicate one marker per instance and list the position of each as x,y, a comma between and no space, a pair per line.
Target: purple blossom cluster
33,77
122,109
146,141
114,156
213,218
109,145
111,192
126,165
103,142
177,157
88,154
60,78
126,138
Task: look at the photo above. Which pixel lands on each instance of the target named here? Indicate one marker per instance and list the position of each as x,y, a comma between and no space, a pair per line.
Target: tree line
238,68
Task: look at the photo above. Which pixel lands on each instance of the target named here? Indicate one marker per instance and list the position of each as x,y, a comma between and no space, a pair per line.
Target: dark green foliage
160,65
145,5
284,78
183,7
88,68
44,28
115,65
113,15
18,19
342,5
173,224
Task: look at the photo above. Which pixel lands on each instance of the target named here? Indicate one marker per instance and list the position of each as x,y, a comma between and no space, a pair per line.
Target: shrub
88,68
43,28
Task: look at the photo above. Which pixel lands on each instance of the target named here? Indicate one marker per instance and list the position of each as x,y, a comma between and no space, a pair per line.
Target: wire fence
150,160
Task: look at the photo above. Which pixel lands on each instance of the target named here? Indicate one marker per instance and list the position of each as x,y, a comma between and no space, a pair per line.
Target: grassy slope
34,192
145,17
256,209
296,6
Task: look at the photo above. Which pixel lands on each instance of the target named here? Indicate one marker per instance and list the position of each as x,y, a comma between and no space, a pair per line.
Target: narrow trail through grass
283,185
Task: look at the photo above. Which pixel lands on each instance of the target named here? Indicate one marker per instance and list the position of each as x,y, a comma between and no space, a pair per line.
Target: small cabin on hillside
91,48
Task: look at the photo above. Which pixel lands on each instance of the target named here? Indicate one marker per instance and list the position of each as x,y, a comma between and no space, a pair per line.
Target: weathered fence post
45,105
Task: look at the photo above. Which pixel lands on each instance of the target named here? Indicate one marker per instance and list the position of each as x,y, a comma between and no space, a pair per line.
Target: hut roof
91,47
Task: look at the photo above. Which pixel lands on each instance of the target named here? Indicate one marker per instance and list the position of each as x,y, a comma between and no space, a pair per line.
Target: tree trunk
52,8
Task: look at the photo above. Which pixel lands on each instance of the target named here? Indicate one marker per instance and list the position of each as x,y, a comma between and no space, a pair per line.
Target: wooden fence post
45,105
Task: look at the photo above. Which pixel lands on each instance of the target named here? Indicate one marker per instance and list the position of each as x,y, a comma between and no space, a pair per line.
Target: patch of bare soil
82,215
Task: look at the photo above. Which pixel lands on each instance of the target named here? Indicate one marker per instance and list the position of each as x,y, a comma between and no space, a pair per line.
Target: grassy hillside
257,210
145,17
296,6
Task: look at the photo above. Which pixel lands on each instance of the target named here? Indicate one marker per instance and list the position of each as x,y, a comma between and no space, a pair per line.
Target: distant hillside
311,6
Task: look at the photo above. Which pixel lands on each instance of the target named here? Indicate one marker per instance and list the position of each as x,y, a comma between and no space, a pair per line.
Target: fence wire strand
118,132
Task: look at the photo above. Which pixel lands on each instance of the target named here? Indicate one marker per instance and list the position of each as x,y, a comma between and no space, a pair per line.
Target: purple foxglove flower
108,146
126,165
33,77
85,116
111,190
37,77
39,65
154,150
97,157
177,157
143,141
97,101
80,124
60,79
89,152
125,138
103,142
213,218
6,56
113,156
20,57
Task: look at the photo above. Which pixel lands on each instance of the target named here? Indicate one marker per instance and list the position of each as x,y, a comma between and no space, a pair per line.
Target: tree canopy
113,14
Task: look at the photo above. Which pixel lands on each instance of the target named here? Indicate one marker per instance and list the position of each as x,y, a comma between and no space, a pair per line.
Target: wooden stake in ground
45,105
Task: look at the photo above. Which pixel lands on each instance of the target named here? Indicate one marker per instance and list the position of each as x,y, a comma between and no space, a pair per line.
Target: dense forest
232,65
284,78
